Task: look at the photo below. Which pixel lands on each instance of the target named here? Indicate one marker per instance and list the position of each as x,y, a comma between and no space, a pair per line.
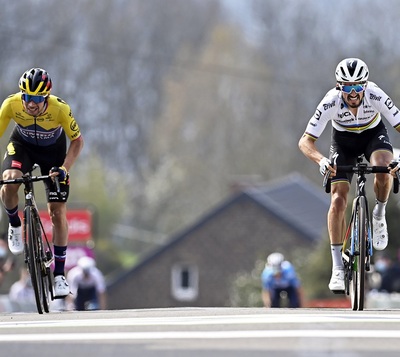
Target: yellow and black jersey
44,129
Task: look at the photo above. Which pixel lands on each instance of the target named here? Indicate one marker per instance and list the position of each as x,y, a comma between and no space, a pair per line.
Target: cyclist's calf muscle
336,213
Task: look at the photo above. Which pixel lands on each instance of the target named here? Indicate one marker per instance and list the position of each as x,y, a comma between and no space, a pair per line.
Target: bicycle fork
349,254
28,203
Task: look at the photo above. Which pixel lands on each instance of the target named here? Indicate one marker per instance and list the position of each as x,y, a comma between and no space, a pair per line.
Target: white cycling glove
323,165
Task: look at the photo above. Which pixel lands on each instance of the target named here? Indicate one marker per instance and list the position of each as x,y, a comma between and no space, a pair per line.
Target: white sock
337,261
379,209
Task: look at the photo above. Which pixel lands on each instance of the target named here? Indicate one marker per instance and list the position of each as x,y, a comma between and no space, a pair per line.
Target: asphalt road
202,332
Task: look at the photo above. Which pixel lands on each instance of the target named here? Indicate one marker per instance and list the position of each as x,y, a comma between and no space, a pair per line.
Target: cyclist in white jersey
354,107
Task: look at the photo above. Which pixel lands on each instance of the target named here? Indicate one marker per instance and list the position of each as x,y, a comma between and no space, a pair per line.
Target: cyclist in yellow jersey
43,123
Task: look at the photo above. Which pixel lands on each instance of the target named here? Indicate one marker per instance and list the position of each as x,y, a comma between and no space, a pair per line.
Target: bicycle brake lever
57,182
326,182
396,180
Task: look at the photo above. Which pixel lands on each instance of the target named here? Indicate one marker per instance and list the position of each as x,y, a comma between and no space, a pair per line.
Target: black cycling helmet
351,70
35,81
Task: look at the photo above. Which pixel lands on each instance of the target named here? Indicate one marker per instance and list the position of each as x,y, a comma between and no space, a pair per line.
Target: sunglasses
36,98
358,88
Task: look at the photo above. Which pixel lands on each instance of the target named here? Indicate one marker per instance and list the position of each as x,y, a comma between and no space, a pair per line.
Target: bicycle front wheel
36,266
358,268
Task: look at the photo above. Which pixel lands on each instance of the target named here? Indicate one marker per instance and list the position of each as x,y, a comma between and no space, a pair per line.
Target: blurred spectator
279,278
6,260
87,286
21,293
389,272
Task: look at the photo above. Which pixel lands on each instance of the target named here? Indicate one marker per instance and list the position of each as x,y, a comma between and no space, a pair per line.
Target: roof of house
297,201
293,199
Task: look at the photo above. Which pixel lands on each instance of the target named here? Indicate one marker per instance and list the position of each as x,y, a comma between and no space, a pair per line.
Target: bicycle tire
36,267
41,260
45,272
358,281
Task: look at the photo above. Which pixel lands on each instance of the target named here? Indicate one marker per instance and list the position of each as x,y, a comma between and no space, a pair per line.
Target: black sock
60,254
13,217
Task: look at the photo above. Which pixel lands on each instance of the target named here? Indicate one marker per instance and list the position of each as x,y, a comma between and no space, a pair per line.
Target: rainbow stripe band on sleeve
311,136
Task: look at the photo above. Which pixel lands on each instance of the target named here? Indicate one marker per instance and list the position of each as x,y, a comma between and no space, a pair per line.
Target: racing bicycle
357,247
38,255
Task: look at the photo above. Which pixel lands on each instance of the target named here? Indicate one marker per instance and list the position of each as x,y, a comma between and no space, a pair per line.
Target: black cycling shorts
349,146
22,156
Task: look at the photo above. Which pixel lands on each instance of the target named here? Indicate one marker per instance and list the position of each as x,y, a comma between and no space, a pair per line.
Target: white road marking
265,322
206,320
205,335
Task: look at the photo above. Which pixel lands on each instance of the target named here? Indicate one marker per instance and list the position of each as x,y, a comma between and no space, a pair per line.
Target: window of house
185,282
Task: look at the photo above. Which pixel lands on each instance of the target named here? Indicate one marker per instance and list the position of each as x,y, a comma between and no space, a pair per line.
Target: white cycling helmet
275,259
86,263
352,70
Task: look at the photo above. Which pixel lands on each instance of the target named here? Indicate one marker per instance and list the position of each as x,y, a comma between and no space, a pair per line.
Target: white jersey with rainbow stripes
333,108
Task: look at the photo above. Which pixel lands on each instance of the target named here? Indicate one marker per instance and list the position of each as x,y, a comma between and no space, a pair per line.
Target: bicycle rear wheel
358,268
37,269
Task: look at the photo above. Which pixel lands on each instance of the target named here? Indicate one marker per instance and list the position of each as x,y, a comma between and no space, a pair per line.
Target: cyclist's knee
339,196
57,211
381,158
7,191
338,203
11,174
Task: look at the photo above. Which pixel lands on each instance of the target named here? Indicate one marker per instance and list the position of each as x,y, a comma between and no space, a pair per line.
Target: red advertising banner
79,225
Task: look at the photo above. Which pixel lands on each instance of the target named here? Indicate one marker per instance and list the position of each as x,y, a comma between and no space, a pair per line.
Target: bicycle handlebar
27,178
362,168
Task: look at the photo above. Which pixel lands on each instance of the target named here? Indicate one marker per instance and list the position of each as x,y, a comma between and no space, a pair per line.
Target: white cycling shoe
15,243
380,237
61,287
336,284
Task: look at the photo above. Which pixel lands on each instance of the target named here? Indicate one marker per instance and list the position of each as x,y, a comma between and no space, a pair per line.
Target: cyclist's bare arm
308,148
74,150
